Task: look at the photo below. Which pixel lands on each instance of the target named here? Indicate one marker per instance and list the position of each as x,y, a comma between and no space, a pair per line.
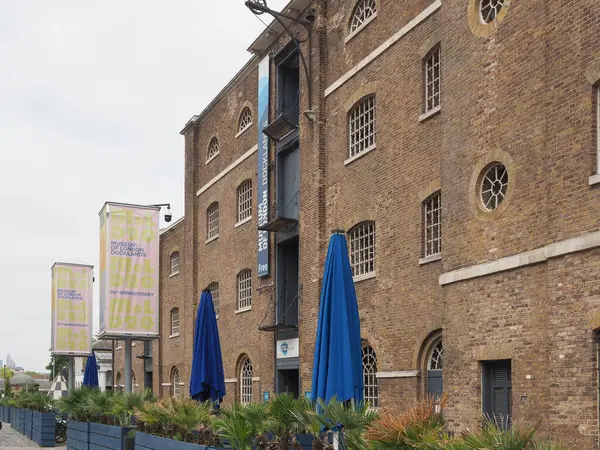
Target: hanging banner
129,276
263,166
72,303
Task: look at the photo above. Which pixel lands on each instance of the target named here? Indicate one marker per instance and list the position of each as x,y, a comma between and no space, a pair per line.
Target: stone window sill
430,259
366,276
174,336
432,112
243,310
360,155
594,179
214,238
360,28
242,131
242,222
174,274
211,158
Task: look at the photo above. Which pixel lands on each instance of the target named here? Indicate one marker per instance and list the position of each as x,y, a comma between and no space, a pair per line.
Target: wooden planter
110,437
20,420
145,441
43,425
306,440
78,435
28,428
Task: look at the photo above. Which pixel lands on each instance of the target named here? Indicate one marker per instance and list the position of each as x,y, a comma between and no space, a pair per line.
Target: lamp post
300,31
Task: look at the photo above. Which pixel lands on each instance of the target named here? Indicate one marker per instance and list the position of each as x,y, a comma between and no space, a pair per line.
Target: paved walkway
10,438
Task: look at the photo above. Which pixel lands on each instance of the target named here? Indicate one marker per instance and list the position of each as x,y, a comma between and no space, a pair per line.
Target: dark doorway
288,381
497,392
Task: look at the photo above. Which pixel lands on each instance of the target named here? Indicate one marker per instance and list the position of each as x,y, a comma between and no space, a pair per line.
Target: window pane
362,248
361,126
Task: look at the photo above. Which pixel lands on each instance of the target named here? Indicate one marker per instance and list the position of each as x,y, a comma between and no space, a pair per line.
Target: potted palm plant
76,406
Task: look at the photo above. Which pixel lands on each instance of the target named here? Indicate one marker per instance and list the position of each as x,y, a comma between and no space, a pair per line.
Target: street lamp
300,30
168,215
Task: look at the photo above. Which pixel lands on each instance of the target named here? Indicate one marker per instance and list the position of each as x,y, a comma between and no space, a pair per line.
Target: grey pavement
10,438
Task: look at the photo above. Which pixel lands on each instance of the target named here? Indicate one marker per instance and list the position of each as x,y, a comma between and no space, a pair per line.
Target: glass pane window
244,289
213,149
436,359
246,375
432,79
175,263
363,11
361,126
214,289
489,9
494,185
245,119
244,203
369,364
362,249
174,321
175,382
432,225
212,221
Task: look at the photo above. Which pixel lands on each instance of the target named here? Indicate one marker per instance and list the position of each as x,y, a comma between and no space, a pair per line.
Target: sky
92,98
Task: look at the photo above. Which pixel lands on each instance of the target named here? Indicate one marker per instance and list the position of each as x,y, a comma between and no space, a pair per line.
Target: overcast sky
92,98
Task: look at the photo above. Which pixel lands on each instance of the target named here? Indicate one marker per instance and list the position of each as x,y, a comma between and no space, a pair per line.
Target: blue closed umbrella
208,379
90,377
337,370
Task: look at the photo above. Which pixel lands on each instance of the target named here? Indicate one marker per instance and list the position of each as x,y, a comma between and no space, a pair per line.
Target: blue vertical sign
263,166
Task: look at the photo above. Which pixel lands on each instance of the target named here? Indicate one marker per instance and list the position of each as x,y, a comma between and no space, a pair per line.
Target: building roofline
172,226
238,77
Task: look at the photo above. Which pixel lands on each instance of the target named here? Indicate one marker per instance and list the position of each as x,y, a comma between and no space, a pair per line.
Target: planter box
28,423
43,425
109,437
20,420
78,435
306,440
145,441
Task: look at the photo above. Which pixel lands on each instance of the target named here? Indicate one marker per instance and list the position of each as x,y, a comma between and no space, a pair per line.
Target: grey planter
78,435
43,425
306,440
109,437
20,420
28,428
145,441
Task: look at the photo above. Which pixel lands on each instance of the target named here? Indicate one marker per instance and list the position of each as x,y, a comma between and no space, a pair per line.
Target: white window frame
244,203
214,290
432,80
212,222
245,121
175,382
246,380
362,128
493,12
134,383
175,262
362,242
363,13
432,228
175,324
369,369
213,150
436,356
244,290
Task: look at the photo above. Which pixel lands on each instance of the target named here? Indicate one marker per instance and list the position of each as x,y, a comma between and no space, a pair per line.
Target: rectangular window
497,392
244,201
432,225
432,79
362,249
244,283
175,322
175,263
212,221
361,126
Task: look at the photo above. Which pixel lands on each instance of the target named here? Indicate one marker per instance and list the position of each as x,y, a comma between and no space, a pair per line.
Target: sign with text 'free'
263,166
129,252
72,303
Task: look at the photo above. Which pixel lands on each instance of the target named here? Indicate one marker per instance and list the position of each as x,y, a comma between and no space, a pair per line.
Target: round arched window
489,9
494,184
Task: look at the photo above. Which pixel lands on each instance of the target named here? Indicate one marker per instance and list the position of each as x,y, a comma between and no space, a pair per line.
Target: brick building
457,145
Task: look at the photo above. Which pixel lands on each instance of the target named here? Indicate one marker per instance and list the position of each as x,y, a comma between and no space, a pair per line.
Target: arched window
369,364
244,201
118,383
174,263
212,221
214,290
361,127
246,375
363,11
361,239
175,322
245,120
244,289
134,383
175,382
213,149
435,365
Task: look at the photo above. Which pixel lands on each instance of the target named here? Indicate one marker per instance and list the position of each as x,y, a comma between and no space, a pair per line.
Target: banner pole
71,381
128,380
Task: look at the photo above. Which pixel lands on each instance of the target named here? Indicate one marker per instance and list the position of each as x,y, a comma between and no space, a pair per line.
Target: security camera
168,215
